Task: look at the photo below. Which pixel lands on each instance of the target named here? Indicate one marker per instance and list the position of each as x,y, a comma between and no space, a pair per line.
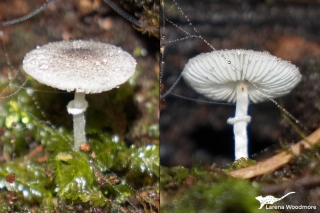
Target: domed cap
216,74
80,66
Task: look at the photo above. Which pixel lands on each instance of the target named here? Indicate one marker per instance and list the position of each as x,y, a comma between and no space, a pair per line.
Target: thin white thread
71,145
12,94
202,101
36,120
35,90
46,121
229,62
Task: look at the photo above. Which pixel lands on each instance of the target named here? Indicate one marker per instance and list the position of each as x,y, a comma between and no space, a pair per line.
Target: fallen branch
278,160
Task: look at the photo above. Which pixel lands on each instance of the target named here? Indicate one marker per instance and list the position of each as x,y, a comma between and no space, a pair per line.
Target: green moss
241,163
67,175
174,175
227,195
207,190
31,182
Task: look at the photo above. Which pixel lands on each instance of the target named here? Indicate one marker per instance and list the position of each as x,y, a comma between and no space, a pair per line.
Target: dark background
88,20
130,112
198,133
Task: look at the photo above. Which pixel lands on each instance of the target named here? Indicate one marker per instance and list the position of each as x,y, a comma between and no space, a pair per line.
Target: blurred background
88,20
197,133
127,117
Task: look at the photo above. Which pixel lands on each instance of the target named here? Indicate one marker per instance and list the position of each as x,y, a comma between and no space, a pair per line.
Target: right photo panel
239,106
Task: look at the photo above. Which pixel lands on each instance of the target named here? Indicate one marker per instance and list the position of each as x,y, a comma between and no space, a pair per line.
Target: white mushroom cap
80,66
216,74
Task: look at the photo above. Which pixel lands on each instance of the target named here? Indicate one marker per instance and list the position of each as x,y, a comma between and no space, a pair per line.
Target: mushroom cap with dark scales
216,74
80,66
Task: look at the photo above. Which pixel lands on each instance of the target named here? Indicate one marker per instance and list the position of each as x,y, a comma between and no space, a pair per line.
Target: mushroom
239,75
81,66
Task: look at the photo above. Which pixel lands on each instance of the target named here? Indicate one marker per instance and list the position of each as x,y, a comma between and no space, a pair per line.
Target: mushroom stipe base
79,124
240,121
77,108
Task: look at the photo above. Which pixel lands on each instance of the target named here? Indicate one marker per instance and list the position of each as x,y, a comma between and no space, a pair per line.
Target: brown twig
36,150
278,160
43,159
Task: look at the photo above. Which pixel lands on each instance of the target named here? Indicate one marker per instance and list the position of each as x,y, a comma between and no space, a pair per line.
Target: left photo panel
79,106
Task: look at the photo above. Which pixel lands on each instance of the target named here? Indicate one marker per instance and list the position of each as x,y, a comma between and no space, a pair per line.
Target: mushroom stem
240,121
79,121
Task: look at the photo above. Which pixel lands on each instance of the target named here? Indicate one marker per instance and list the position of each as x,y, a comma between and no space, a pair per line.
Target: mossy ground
211,189
195,134
121,173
